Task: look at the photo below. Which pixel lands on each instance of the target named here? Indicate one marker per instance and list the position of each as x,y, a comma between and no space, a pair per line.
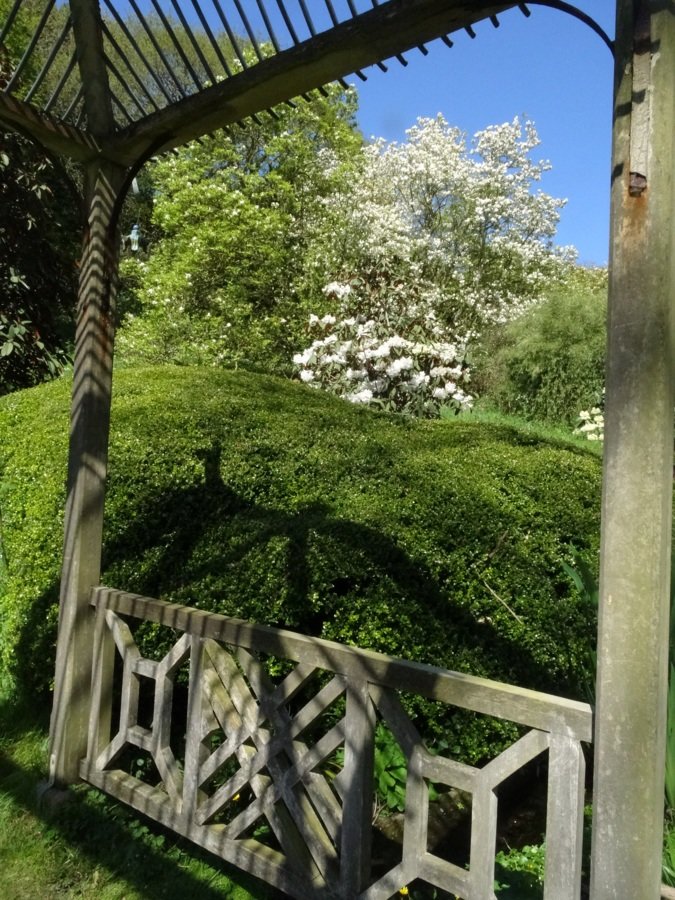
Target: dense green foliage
436,541
226,279
40,235
39,245
550,363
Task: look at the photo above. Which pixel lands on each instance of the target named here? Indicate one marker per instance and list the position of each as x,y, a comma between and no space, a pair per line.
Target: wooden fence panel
275,775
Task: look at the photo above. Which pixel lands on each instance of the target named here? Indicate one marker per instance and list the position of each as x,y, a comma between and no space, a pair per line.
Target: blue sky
550,68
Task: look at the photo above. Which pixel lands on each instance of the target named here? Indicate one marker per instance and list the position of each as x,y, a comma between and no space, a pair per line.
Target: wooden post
637,487
87,465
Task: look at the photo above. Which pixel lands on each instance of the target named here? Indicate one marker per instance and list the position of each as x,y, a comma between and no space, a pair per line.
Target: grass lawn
90,847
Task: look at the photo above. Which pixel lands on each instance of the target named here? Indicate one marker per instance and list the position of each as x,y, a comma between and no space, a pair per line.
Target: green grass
557,435
86,846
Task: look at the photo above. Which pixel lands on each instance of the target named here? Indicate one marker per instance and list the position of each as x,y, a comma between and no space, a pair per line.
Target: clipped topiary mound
261,498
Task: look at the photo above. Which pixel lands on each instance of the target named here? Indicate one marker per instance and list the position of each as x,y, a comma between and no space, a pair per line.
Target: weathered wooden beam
638,476
54,135
87,466
532,708
375,35
88,34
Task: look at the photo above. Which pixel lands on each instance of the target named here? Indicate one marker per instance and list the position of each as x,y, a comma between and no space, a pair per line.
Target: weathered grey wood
447,771
56,136
396,718
250,856
638,457
416,821
198,730
86,18
483,840
447,876
389,885
564,819
87,465
230,690
526,707
100,721
295,825
516,756
357,811
394,27
128,650
164,674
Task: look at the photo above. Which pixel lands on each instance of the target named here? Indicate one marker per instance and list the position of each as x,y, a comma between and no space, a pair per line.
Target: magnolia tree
428,242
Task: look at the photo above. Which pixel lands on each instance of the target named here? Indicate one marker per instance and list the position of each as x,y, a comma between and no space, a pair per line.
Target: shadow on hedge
328,565
207,546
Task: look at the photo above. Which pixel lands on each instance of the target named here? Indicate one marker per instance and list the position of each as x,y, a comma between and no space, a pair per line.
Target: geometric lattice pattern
274,773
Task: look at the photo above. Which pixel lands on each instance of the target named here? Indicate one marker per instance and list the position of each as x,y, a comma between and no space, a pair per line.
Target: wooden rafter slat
158,50
215,44
268,25
53,53
30,49
170,31
132,71
307,17
230,34
121,80
52,133
189,33
9,21
63,80
375,35
249,30
136,48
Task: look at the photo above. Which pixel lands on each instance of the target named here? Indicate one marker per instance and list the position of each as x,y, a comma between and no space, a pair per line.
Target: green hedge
436,541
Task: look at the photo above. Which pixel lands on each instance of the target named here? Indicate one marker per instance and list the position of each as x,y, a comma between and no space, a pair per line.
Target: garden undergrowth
86,846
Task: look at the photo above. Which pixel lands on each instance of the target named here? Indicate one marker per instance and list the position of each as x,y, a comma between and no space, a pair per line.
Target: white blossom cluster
427,243
466,218
592,424
366,361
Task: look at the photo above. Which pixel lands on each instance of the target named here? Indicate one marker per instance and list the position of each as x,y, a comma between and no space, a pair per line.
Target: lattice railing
272,767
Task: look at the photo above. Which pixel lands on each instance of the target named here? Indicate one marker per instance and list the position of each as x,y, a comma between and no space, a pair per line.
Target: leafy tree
224,280
550,363
39,239
426,245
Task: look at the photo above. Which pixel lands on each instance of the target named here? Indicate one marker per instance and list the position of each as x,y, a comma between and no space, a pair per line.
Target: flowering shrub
592,424
408,368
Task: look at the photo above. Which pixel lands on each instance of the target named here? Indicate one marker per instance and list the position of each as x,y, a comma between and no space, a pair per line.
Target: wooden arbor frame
103,115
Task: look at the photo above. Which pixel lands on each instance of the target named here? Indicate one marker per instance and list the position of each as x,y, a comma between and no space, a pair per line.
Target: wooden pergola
101,98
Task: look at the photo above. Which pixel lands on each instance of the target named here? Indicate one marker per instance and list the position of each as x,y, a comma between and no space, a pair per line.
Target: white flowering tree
428,242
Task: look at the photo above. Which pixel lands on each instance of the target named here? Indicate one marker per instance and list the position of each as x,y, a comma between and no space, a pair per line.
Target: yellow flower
235,798
403,890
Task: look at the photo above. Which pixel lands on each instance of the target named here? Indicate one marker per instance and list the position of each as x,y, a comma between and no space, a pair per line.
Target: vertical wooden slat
638,458
100,721
87,467
357,808
483,840
416,812
197,726
564,819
